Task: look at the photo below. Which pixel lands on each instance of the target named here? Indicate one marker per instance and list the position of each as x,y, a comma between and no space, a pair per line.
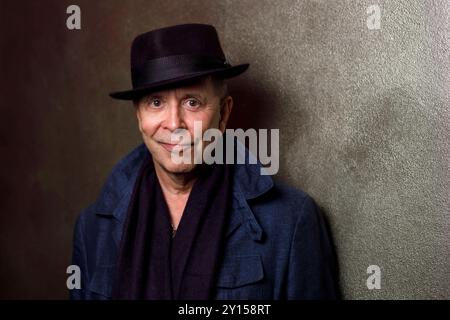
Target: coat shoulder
112,190
287,204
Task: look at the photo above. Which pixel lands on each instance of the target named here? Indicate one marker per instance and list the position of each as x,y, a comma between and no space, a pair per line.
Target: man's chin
178,168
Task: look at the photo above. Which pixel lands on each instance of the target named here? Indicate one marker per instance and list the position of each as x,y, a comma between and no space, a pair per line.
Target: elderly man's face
161,113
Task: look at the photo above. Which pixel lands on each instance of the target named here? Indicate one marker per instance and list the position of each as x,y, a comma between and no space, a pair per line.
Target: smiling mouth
171,146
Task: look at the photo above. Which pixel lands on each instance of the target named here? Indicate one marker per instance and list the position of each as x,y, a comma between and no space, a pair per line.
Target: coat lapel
248,184
116,195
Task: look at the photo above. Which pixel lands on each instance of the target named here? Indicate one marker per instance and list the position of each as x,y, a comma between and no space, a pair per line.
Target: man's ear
225,111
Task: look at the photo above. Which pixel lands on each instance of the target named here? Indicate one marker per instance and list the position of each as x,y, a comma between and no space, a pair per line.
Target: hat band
171,67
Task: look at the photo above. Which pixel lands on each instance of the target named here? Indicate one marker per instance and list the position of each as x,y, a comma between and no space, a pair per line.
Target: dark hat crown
185,39
173,55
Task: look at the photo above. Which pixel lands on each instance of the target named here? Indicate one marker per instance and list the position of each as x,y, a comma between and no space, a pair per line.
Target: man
162,229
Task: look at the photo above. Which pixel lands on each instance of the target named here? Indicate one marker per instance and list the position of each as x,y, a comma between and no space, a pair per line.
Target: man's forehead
201,86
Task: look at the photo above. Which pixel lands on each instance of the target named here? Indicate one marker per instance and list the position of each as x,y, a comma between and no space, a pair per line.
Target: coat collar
248,184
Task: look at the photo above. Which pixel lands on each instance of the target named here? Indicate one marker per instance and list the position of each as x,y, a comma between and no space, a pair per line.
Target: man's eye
192,103
154,102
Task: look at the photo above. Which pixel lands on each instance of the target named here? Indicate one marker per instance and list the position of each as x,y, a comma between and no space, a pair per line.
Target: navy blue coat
277,246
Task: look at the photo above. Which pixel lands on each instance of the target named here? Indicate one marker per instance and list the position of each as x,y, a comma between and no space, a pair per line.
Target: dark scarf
152,264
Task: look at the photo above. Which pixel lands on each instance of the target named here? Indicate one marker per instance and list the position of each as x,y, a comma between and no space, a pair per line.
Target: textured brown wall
363,117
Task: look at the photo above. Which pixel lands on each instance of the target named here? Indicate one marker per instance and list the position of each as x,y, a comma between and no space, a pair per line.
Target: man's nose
174,117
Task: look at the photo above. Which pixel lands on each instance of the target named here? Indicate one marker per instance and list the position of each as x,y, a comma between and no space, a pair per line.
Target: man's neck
175,183
176,189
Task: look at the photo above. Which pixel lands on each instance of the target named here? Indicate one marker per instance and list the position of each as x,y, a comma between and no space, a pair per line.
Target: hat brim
225,73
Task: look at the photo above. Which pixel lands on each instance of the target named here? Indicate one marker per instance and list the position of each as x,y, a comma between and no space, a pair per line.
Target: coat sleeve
79,259
312,272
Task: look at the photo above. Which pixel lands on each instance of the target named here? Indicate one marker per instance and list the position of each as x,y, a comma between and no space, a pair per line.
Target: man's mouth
172,146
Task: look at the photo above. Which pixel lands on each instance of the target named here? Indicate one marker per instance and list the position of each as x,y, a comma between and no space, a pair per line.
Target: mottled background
363,118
